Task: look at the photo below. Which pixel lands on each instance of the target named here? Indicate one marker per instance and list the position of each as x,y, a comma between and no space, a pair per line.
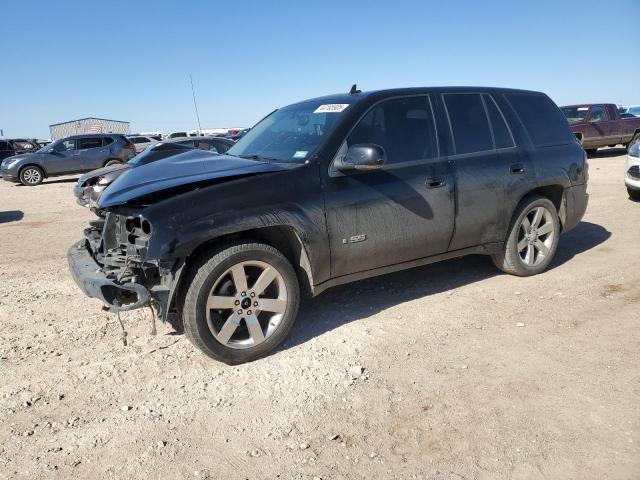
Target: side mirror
364,156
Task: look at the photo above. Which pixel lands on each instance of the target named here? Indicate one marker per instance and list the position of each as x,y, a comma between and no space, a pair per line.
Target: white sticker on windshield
300,154
583,109
331,108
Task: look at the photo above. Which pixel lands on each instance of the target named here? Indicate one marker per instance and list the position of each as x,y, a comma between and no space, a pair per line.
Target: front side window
290,134
404,127
63,146
469,123
90,142
597,115
4,146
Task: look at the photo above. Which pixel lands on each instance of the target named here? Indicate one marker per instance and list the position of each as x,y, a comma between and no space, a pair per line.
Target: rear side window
612,112
108,141
90,142
469,123
502,137
543,120
404,127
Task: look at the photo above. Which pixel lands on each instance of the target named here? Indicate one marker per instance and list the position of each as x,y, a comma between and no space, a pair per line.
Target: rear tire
591,151
532,240
113,162
241,302
31,176
633,194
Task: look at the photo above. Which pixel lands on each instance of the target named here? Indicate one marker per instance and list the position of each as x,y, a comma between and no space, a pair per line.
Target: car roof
200,137
391,92
85,135
587,105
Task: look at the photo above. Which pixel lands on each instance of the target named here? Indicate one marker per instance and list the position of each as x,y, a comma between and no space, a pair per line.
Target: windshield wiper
257,157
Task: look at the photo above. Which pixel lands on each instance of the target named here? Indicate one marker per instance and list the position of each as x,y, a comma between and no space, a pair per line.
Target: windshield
50,147
290,134
575,114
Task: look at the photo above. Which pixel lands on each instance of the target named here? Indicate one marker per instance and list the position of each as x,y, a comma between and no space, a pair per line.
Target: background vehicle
632,172
141,142
632,110
75,154
91,185
238,135
600,125
330,191
15,146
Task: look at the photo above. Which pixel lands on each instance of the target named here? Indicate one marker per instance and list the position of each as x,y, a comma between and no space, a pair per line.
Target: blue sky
131,60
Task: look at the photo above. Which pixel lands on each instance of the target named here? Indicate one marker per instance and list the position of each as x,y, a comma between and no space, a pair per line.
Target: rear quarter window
542,119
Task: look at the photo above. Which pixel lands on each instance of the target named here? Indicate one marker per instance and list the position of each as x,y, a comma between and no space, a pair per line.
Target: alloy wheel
31,176
535,236
246,304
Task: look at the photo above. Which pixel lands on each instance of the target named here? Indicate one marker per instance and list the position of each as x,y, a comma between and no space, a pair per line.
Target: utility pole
193,92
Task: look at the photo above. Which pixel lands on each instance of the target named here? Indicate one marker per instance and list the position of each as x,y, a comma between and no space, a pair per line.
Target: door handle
516,169
436,182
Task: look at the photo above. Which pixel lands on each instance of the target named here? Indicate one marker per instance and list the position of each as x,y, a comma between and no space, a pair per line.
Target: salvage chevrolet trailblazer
329,191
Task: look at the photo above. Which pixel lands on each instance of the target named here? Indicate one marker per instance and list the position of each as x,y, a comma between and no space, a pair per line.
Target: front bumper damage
92,280
109,265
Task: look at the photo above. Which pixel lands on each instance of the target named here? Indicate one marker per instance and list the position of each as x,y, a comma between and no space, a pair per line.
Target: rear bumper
89,276
576,201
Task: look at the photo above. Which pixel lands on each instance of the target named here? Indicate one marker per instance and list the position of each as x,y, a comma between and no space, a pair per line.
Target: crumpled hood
109,171
189,167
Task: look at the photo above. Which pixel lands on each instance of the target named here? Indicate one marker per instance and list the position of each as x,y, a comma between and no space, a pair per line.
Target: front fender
291,199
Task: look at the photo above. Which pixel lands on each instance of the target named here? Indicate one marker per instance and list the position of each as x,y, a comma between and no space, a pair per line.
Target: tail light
128,145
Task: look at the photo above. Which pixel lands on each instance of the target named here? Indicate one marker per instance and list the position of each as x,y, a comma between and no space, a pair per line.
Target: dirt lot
466,373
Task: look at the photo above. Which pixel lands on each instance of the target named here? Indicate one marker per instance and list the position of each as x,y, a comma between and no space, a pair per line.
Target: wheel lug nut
239,312
255,304
253,294
244,294
237,302
248,312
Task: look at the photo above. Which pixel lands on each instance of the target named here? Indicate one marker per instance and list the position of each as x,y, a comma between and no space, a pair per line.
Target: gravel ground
451,371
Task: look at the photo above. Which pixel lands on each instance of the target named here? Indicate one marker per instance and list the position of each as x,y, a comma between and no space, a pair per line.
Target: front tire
31,176
241,302
591,151
532,240
633,194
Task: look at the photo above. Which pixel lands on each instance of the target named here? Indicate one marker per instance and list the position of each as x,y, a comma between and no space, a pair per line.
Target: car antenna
354,89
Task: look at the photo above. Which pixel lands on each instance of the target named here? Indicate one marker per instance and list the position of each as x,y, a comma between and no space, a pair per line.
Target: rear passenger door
92,153
400,212
488,168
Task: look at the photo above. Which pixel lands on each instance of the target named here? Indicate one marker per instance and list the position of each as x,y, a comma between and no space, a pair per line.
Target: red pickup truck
600,125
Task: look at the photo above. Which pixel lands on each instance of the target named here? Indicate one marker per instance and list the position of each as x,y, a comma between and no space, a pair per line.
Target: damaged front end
109,264
90,186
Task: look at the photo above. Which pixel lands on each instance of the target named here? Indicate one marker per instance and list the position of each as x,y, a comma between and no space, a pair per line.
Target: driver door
63,158
400,212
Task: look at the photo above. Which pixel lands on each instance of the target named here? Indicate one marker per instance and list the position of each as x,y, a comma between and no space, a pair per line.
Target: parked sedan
91,185
141,142
75,154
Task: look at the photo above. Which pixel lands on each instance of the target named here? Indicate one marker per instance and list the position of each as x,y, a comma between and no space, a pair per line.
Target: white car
632,172
140,142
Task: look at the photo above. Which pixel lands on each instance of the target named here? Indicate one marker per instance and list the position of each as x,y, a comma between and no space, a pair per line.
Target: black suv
15,146
329,191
